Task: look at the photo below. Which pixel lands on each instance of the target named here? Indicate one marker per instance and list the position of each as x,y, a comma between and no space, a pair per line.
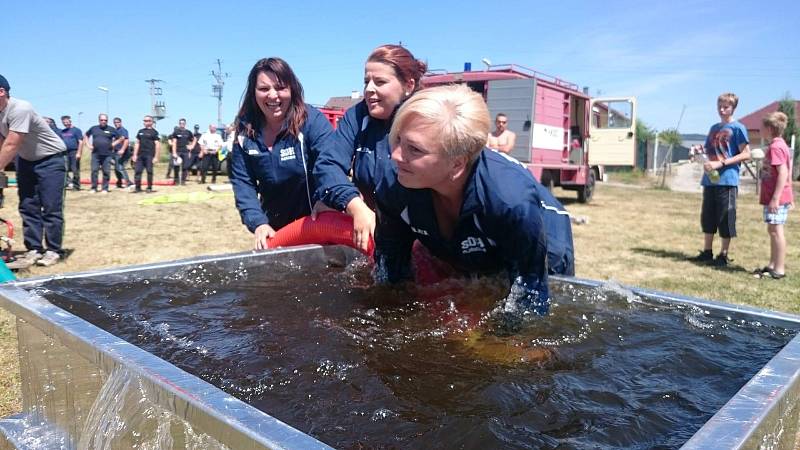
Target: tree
787,106
643,131
670,136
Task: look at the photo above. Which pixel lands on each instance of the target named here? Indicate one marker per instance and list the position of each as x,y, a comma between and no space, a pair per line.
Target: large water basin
297,349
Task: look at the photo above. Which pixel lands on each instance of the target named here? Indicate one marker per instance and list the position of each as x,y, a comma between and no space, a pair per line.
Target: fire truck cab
565,137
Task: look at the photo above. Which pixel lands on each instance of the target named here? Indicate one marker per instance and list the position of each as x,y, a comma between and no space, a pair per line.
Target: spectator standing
776,193
122,154
194,152
182,140
72,137
41,169
100,141
210,143
147,149
52,124
726,146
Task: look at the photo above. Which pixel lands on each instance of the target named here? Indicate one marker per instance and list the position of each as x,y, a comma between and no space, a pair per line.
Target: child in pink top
776,192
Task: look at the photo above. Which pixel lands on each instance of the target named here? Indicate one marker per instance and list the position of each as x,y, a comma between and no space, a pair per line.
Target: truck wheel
585,194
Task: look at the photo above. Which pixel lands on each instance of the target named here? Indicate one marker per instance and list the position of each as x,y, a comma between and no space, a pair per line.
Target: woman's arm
245,191
335,160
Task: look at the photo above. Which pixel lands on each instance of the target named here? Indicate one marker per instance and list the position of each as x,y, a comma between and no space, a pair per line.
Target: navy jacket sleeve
558,228
245,190
521,237
393,237
335,160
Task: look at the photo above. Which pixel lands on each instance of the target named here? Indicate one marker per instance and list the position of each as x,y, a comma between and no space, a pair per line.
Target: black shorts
719,210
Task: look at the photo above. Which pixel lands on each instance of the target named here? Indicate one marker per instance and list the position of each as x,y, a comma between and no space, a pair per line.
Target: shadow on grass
680,256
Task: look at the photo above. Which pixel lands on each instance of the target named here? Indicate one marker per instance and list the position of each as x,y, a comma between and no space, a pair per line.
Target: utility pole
158,109
216,91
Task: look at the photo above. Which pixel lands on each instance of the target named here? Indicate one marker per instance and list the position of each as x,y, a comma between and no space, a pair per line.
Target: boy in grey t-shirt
41,169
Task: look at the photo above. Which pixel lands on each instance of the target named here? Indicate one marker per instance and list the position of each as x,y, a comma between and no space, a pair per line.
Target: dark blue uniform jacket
501,226
361,143
275,187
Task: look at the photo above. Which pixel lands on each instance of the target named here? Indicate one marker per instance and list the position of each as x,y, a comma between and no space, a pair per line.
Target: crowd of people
111,147
418,170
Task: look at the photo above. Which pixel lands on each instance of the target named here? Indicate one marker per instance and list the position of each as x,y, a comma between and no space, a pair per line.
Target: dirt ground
110,230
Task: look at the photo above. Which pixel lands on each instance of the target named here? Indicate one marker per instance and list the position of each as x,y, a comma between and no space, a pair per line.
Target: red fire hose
330,228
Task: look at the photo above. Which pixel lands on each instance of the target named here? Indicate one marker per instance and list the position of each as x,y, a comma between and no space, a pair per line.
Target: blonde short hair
458,114
777,121
728,97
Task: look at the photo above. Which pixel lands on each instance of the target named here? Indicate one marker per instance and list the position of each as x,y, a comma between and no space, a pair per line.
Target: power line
158,109
216,90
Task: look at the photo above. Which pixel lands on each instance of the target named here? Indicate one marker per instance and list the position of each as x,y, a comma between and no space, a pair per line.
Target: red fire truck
565,137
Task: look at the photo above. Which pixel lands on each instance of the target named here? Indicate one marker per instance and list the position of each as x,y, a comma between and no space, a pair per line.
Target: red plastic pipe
330,228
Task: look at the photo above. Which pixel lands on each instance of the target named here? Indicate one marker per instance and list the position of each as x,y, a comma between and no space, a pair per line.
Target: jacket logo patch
287,154
363,150
472,245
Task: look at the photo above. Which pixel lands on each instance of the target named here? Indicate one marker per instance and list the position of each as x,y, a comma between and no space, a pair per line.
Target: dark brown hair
250,119
405,66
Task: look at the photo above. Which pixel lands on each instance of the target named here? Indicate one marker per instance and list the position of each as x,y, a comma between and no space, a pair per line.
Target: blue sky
668,54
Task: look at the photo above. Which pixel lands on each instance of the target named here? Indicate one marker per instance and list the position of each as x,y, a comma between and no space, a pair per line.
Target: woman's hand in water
363,223
262,233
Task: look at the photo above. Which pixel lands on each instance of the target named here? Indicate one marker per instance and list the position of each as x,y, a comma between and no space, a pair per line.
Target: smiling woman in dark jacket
278,137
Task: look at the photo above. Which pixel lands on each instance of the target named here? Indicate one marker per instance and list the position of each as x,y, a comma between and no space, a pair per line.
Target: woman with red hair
360,144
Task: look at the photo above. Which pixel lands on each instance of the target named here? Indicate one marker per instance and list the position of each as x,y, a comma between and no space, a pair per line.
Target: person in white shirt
210,144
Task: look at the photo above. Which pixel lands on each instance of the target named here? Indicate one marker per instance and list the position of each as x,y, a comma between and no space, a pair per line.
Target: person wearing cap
181,141
72,137
41,170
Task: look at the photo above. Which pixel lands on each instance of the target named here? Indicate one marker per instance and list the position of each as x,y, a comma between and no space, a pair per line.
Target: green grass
645,237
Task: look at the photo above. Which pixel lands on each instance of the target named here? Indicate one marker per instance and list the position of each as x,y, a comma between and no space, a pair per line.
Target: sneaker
149,190
30,257
104,191
93,191
722,260
762,271
50,257
704,256
131,188
775,275
68,187
137,191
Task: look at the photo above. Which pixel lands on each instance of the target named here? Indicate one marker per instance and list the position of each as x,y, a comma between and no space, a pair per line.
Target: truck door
514,98
612,132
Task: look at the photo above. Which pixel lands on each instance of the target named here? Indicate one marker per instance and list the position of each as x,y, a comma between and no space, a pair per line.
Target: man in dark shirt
100,140
72,137
122,154
182,140
194,153
147,148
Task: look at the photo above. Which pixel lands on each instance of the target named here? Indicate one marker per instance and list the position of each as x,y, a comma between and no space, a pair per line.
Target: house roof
752,121
342,102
